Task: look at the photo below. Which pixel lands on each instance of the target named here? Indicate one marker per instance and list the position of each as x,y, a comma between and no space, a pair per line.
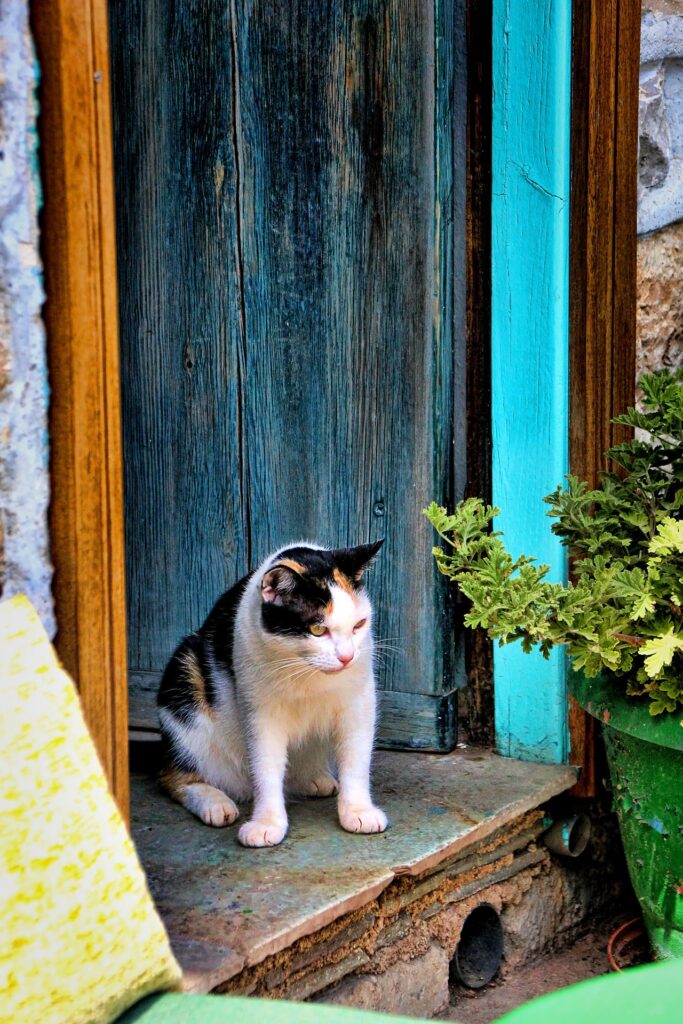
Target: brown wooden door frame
79,255
602,315
604,145
79,259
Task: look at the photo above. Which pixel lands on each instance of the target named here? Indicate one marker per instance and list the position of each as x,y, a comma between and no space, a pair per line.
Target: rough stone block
660,300
555,908
24,558
414,988
660,117
654,139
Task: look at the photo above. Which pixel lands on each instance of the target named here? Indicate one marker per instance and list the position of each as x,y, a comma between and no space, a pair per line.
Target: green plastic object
175,1008
642,995
645,756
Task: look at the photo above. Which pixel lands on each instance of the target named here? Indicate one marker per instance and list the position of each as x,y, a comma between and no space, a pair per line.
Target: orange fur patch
295,566
174,781
196,680
342,581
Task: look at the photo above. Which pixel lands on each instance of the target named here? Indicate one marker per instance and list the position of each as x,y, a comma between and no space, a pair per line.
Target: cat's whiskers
389,647
282,672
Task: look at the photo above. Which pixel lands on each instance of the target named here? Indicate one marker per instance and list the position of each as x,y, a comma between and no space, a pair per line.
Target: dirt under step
585,958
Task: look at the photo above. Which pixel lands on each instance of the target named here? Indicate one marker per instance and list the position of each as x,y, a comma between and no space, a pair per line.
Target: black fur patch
176,692
353,561
320,565
294,616
219,628
305,603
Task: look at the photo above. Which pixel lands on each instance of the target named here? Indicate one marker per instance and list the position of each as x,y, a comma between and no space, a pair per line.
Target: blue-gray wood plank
290,216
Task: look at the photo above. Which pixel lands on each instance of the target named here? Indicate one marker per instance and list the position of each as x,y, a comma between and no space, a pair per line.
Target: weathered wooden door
290,218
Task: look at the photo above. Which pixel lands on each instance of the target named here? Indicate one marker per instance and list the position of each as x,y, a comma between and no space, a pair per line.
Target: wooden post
78,250
529,338
606,58
476,699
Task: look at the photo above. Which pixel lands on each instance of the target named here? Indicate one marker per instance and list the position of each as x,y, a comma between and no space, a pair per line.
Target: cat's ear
354,561
277,583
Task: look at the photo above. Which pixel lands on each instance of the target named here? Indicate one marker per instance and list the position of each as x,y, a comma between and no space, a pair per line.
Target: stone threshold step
228,909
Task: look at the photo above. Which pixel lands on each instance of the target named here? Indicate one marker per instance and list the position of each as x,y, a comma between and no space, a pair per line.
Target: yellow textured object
80,939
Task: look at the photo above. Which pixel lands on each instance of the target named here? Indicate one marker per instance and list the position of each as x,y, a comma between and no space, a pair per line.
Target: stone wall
24,481
660,187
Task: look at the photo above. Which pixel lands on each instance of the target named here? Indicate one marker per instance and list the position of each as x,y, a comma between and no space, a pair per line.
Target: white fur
209,804
295,709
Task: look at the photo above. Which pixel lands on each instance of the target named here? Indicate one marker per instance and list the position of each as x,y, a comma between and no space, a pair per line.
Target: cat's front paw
323,784
217,811
362,818
262,833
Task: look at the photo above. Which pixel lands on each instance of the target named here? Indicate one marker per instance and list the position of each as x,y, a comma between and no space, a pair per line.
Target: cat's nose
345,656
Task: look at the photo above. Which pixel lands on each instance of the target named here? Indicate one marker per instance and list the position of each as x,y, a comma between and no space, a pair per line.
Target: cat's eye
317,629
359,625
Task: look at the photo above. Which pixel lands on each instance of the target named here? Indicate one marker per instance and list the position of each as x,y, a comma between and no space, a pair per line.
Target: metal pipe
479,952
569,837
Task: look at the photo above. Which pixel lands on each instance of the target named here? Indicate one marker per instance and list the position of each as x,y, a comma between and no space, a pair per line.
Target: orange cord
633,933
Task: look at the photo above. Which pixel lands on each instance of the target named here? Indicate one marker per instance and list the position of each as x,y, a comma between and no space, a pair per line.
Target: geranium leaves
659,651
669,537
623,612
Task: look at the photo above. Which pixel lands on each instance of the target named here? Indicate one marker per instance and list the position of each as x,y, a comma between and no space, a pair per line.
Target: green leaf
643,606
624,611
669,537
659,651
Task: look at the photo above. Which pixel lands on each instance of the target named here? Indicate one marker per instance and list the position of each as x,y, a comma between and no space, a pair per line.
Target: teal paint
290,186
530,257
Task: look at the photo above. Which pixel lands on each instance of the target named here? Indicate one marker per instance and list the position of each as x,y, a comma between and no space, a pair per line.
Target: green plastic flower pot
641,995
645,756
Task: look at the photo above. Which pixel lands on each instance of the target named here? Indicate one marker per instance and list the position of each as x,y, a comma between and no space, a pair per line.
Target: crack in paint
537,184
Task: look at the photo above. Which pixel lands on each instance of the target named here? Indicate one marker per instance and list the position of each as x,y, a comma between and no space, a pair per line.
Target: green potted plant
621,621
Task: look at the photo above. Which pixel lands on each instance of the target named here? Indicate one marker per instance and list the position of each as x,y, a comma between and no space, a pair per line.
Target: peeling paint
658,825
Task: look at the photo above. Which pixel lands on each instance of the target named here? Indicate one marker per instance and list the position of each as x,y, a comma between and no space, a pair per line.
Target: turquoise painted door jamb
530,301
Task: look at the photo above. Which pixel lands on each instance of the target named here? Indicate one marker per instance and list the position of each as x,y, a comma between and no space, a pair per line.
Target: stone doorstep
293,920
388,931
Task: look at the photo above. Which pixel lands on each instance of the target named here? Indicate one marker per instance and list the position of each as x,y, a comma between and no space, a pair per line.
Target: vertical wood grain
291,194
606,57
476,708
78,250
183,323
529,338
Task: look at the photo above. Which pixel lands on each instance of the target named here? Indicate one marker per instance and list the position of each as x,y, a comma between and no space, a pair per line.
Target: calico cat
275,688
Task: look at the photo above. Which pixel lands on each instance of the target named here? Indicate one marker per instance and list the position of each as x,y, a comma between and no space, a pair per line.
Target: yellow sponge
80,939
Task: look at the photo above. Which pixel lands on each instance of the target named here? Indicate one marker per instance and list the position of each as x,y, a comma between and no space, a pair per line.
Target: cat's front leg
355,736
268,760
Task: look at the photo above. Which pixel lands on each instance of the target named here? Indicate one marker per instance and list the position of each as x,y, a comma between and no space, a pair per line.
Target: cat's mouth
334,670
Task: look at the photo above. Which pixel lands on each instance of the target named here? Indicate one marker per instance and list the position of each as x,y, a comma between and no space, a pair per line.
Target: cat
275,688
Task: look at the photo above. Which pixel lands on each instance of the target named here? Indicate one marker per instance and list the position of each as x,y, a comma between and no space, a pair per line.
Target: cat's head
314,604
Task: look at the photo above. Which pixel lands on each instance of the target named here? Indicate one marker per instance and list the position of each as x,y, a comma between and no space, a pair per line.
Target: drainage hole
479,952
